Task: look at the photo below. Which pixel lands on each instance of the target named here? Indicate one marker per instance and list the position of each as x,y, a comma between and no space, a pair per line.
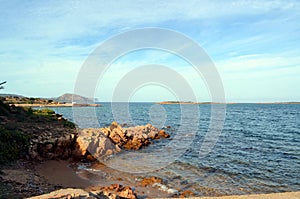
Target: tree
2,87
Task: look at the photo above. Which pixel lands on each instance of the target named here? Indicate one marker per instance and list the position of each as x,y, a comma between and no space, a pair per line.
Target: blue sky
255,45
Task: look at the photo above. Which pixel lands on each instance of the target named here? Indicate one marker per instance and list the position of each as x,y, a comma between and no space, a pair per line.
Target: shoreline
58,105
62,173
87,194
51,175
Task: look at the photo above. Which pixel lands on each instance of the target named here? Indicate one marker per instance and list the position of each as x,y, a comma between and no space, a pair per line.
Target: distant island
190,102
65,100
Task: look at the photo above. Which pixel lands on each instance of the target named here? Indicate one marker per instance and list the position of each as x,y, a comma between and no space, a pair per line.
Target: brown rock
96,144
187,193
90,158
150,181
127,192
106,141
120,190
163,134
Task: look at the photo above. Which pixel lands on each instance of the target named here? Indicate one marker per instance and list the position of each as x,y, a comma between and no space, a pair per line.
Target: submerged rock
150,181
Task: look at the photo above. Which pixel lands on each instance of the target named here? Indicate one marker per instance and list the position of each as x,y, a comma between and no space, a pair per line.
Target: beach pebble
160,186
163,188
172,191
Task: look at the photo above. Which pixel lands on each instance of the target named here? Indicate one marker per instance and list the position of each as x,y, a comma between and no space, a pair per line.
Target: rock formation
47,147
101,142
114,191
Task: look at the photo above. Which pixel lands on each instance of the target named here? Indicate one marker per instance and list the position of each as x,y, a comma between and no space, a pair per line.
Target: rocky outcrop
94,141
133,138
50,136
44,134
120,191
114,191
46,146
101,142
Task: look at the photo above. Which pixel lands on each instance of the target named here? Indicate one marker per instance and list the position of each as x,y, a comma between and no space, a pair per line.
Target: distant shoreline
57,105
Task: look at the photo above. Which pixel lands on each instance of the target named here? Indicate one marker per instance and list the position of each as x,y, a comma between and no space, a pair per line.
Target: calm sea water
257,152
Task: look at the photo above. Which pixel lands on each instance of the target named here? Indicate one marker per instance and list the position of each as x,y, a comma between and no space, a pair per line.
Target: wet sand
60,173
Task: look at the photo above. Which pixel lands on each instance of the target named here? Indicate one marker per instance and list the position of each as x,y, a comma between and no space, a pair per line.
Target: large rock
140,136
101,142
93,141
47,146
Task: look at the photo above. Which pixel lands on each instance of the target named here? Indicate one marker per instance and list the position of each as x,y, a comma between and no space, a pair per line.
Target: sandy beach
60,173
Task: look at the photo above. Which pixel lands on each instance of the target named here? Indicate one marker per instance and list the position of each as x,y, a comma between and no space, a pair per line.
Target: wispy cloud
244,38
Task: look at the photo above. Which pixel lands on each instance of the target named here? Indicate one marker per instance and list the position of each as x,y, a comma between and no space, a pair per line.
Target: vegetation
17,126
27,100
13,145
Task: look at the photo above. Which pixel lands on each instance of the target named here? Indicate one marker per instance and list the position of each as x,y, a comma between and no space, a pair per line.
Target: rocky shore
40,151
79,193
47,136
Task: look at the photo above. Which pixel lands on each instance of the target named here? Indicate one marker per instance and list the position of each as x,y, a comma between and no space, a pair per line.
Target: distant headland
190,102
65,100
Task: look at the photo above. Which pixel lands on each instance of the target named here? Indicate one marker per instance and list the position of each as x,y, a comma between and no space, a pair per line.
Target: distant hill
69,98
11,95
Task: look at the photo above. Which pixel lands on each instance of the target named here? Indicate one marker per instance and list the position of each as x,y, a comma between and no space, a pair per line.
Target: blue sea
258,150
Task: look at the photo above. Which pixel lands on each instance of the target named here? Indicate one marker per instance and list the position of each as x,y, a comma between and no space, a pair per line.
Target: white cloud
54,38
258,63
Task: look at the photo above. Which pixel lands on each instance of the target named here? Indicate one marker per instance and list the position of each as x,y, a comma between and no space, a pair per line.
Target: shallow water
257,152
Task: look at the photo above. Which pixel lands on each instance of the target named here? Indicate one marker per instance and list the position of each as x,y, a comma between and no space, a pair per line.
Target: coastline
51,175
61,174
57,105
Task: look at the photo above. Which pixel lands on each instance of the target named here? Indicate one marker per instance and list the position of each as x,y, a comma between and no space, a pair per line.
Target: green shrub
44,112
69,124
4,108
13,145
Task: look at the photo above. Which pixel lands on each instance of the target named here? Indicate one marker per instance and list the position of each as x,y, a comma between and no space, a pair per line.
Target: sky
254,45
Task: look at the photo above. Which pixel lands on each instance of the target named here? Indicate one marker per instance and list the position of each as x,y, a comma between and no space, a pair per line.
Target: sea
257,149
